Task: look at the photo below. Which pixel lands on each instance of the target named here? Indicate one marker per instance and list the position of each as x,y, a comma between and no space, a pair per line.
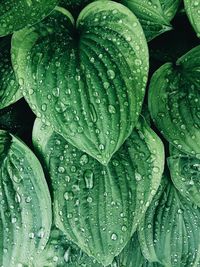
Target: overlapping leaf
18,14
25,205
99,207
87,81
169,232
9,87
192,8
154,15
174,102
185,173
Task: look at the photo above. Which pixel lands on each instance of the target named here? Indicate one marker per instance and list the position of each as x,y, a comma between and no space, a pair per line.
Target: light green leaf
174,97
17,14
170,231
154,15
90,198
185,173
9,87
86,81
192,8
25,209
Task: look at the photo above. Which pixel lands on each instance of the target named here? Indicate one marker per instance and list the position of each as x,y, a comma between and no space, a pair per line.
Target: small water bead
138,176
124,228
28,199
61,169
84,159
55,258
106,85
111,109
14,220
101,147
31,235
89,199
111,74
114,237
41,233
68,195
44,107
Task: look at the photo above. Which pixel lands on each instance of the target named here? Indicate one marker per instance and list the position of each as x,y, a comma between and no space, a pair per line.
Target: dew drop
89,178
114,236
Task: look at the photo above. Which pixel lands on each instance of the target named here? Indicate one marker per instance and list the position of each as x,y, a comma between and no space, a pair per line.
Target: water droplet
101,147
111,109
114,236
31,235
138,176
111,74
61,169
89,178
68,195
84,159
89,199
67,255
44,107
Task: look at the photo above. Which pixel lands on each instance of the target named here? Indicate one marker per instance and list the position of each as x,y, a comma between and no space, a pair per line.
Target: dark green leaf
192,8
154,15
90,198
185,173
174,98
17,14
25,205
169,232
86,81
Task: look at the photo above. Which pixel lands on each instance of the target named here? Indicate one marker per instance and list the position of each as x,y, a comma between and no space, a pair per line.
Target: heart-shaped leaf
185,174
154,15
174,98
87,81
9,87
89,198
170,231
25,209
192,8
15,15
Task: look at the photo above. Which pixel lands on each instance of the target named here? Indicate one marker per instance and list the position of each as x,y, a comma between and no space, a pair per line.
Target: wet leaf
86,81
90,198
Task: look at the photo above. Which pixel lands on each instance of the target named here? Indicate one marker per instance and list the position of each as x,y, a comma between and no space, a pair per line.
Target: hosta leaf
174,102
88,82
25,209
89,198
192,8
60,252
131,256
9,87
170,230
154,15
185,173
18,14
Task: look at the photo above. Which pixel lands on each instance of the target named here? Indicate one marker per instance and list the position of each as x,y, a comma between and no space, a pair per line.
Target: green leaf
154,15
74,5
60,252
15,15
192,8
86,81
9,87
89,198
185,173
131,255
169,232
25,210
174,102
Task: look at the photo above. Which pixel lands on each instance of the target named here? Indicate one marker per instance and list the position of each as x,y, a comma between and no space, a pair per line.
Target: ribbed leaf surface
25,205
18,14
174,102
99,207
87,81
169,232
192,8
154,15
9,87
185,173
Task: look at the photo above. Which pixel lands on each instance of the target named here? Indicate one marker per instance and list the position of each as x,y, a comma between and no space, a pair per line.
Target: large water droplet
89,178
